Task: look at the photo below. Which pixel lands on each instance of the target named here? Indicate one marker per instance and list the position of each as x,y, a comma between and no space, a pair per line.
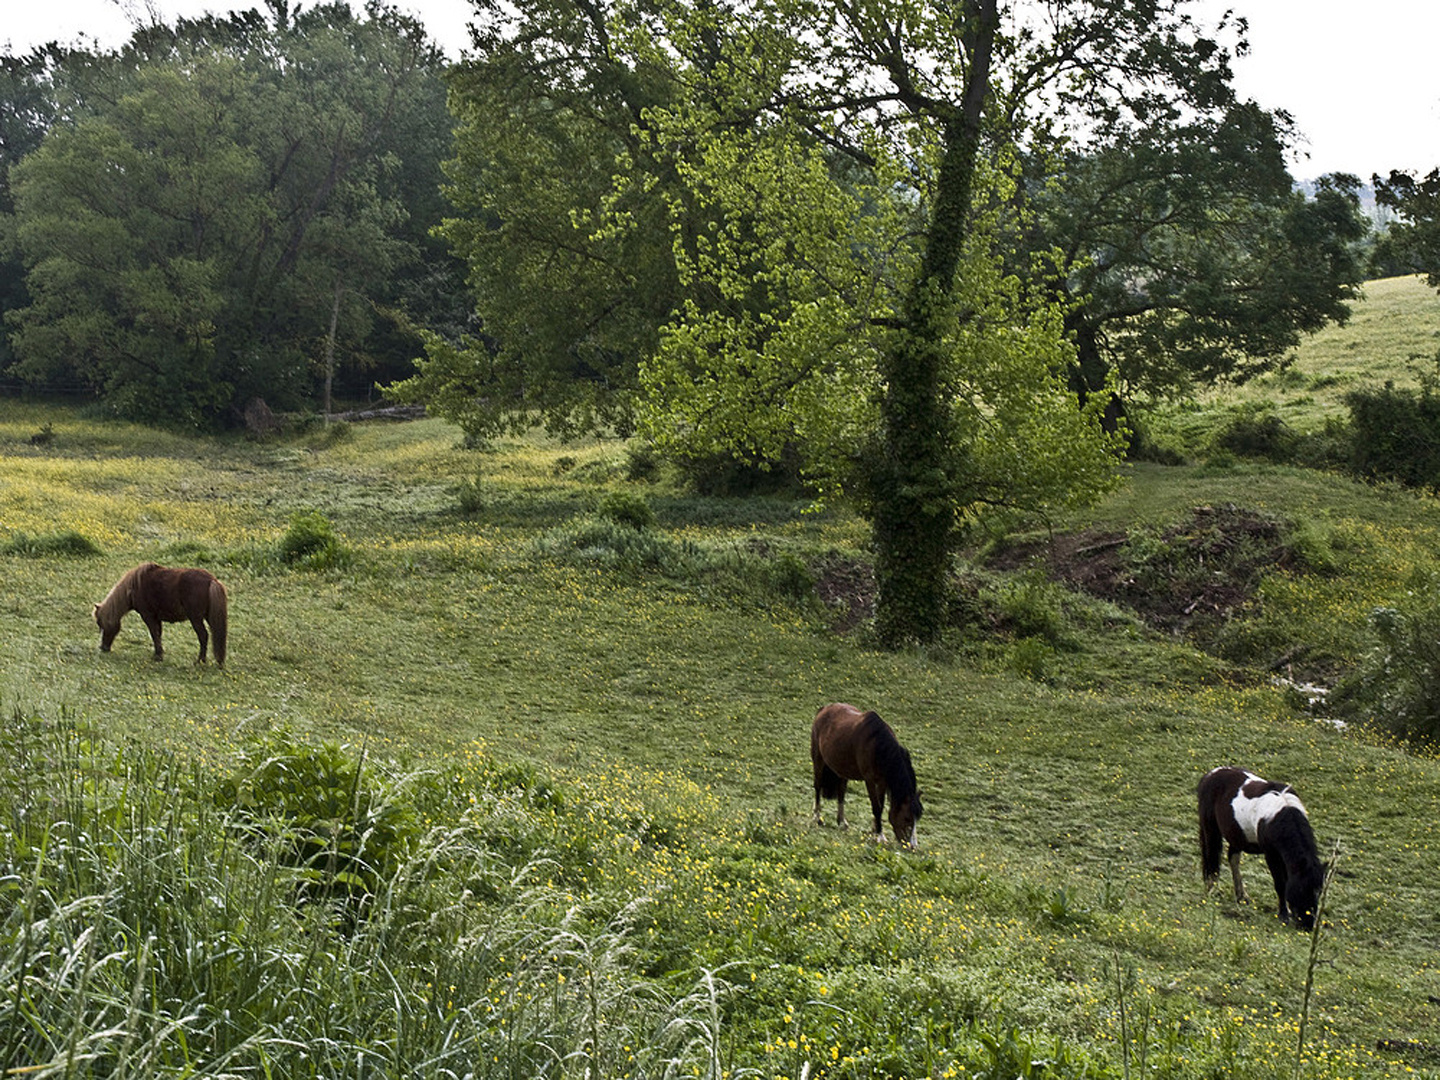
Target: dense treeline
226,210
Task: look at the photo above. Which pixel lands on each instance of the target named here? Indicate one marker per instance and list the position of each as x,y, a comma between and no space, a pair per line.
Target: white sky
1359,80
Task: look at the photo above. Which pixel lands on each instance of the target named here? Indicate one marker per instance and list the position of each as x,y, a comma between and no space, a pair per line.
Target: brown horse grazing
164,594
846,744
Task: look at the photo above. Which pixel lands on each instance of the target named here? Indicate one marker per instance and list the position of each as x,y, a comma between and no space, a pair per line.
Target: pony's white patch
1249,813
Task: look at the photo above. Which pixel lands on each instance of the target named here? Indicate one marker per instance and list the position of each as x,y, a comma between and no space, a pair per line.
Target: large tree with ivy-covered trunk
893,323
817,204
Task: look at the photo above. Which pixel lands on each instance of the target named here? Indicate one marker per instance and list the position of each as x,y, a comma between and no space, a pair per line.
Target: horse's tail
828,782
219,620
1210,838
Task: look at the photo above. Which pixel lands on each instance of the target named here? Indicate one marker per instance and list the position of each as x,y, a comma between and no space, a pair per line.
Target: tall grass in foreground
310,913
147,929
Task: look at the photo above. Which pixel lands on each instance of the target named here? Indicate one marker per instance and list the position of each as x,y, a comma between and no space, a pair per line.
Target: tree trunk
330,346
911,503
1090,372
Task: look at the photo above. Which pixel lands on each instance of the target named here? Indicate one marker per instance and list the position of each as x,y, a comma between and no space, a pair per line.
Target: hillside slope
1056,901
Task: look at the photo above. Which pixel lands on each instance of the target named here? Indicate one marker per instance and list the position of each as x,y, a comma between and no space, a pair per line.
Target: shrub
68,543
1332,447
1397,685
1396,435
332,434
1032,658
642,462
627,508
1257,431
311,541
723,475
605,541
340,826
1030,606
470,495
752,573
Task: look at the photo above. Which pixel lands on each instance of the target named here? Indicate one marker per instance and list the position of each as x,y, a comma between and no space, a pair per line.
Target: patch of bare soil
1186,579
847,587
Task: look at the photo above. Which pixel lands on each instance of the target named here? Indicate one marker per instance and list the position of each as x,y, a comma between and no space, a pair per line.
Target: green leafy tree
218,212
1413,240
1188,257
961,364
124,264
565,311
28,106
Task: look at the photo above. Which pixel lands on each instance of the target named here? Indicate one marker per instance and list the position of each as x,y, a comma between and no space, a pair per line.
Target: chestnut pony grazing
1261,817
164,594
845,745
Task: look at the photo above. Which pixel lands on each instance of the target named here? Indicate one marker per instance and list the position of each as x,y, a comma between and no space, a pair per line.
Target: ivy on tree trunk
911,502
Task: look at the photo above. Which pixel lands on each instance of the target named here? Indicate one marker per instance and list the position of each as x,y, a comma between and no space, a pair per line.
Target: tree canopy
215,204
1187,257
892,237
543,109
1413,241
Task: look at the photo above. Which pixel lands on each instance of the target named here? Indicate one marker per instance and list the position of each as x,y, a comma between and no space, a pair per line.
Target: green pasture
1393,335
1053,923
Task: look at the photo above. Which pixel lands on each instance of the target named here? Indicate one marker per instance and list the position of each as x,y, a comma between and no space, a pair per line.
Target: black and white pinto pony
1261,817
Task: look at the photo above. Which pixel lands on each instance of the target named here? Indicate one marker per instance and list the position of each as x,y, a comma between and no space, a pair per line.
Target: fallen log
388,412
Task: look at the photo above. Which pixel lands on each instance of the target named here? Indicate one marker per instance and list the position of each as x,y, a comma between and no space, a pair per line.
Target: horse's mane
118,600
891,758
1290,832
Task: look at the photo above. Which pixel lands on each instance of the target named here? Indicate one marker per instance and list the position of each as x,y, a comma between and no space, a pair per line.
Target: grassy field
1393,335
471,631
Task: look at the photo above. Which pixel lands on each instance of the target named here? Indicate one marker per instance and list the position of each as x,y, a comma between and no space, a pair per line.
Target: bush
1332,447
470,495
642,461
1257,432
723,475
627,508
1396,435
1032,658
1031,607
1397,686
310,541
752,573
333,434
605,541
342,828
68,543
